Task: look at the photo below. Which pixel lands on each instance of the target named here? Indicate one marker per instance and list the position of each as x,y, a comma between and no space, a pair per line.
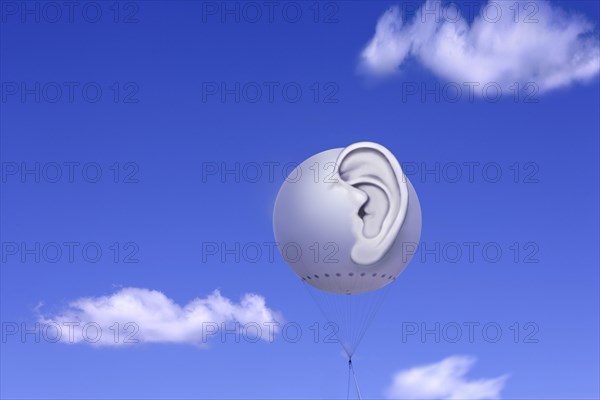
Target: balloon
348,220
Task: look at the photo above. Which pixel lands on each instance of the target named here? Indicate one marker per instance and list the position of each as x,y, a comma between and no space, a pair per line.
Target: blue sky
159,120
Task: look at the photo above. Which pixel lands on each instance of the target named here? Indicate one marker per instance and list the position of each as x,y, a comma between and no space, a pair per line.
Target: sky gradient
178,84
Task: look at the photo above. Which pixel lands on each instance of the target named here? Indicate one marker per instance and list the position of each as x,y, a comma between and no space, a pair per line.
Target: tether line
351,372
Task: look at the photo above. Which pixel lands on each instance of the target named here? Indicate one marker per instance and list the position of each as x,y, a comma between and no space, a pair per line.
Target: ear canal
377,182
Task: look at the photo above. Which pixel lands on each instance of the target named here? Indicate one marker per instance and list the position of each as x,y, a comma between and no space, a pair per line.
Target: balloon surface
348,220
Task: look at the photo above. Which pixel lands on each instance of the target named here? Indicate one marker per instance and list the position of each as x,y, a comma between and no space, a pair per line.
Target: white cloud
557,50
148,316
444,380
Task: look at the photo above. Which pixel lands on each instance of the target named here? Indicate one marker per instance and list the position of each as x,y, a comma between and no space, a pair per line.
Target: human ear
375,179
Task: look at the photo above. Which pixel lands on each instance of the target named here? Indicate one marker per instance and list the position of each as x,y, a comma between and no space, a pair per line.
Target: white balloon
348,220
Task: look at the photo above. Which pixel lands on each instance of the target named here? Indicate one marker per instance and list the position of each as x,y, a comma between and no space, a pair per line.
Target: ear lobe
377,182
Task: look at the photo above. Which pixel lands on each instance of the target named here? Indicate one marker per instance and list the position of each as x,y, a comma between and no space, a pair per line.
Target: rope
351,371
359,309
